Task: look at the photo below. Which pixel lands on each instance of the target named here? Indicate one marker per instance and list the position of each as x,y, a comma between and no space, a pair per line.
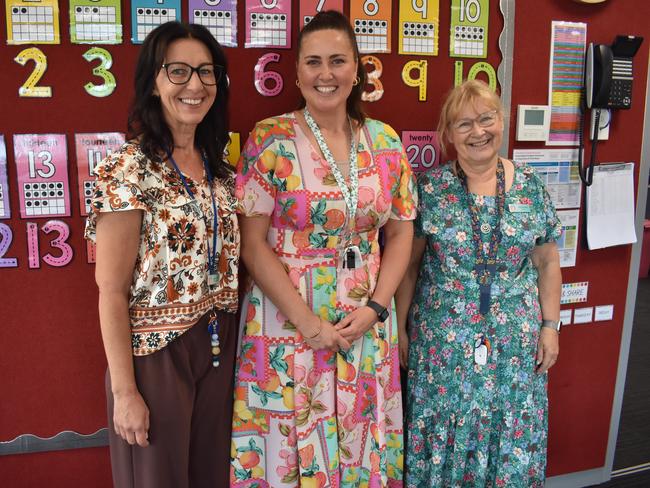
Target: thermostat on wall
533,122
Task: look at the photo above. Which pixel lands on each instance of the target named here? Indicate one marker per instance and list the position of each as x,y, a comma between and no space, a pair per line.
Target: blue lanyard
212,253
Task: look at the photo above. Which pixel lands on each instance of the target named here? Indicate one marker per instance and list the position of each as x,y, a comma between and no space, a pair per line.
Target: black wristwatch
382,313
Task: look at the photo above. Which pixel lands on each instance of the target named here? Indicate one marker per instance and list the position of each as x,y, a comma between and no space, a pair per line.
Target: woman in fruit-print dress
317,392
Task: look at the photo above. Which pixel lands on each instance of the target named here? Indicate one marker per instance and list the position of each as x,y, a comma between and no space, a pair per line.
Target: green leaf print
318,213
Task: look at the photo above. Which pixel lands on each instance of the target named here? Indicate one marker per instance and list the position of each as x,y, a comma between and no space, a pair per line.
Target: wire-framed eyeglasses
486,119
180,73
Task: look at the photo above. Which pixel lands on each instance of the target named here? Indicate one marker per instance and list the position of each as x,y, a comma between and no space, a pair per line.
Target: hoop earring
356,81
298,83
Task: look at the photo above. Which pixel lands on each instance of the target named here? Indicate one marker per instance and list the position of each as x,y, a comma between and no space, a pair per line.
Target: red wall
582,382
51,358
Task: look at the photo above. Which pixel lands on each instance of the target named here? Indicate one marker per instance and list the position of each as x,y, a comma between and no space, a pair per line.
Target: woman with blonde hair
484,281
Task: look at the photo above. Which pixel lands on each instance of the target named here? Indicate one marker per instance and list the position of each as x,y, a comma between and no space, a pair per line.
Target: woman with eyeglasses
483,287
163,219
317,392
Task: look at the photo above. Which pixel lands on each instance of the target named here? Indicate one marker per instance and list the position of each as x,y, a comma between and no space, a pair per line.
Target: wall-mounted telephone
608,85
608,73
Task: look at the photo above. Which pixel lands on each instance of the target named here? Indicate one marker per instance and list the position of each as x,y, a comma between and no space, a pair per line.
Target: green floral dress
472,425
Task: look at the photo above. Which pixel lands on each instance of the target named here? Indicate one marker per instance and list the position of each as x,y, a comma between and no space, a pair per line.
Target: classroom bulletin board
52,363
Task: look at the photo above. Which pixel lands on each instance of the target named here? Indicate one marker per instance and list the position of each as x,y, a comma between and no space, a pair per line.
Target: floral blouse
169,290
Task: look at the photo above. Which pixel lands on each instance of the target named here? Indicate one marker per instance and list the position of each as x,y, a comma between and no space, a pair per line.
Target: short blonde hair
469,92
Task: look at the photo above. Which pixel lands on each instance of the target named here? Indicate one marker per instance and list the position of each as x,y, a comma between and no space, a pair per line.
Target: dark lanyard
212,253
485,264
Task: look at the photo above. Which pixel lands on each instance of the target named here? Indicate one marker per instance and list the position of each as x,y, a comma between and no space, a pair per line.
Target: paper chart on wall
91,149
95,22
371,21
419,27
32,22
146,15
5,210
469,28
268,24
567,244
309,8
566,65
422,149
220,18
610,206
42,170
558,169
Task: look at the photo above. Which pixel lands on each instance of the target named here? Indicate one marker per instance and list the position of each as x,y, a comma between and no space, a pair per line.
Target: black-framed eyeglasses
180,73
486,119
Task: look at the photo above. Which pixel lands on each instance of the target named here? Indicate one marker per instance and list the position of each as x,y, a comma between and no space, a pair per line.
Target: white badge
213,279
480,354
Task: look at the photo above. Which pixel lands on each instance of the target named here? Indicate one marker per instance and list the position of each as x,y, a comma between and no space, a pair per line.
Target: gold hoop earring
356,81
298,83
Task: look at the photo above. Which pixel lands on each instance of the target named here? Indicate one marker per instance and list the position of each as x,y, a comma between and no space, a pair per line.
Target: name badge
480,355
213,279
519,207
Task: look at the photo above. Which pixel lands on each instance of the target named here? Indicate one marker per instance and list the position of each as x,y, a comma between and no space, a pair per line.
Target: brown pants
190,413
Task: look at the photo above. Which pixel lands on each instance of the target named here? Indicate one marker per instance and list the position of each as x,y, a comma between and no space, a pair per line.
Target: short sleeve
254,186
405,193
551,227
118,186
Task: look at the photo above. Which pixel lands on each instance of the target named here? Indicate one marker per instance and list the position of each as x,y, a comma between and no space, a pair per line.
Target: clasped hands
340,335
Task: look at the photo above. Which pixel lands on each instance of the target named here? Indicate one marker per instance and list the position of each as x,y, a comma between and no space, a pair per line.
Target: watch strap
380,310
552,324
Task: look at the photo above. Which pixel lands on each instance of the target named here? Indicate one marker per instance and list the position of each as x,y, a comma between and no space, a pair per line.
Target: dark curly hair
146,121
333,19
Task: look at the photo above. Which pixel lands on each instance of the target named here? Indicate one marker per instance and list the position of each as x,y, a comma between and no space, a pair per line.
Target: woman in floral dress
317,393
484,323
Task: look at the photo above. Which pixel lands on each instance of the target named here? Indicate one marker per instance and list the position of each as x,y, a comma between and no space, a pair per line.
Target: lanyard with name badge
213,277
485,263
352,253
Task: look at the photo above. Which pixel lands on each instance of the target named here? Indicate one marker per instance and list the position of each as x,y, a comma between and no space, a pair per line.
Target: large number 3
29,88
373,79
105,63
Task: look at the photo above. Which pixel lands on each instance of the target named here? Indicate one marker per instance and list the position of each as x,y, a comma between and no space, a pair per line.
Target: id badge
213,279
351,258
480,353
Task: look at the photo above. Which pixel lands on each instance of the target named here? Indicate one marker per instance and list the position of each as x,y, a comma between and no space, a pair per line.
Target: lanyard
485,264
350,194
212,253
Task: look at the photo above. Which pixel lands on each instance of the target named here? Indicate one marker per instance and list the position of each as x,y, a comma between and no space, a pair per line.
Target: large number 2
29,88
105,63
6,236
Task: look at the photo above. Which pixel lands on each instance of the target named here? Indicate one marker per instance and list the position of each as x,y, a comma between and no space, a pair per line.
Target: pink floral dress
317,418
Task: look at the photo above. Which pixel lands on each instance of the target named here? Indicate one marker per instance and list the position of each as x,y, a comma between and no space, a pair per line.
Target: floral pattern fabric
470,425
169,290
306,418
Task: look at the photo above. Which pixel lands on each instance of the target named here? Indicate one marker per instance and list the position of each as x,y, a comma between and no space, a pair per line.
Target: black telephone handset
598,75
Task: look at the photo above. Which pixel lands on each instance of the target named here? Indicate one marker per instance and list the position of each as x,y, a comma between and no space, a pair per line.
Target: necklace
486,263
352,254
213,277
